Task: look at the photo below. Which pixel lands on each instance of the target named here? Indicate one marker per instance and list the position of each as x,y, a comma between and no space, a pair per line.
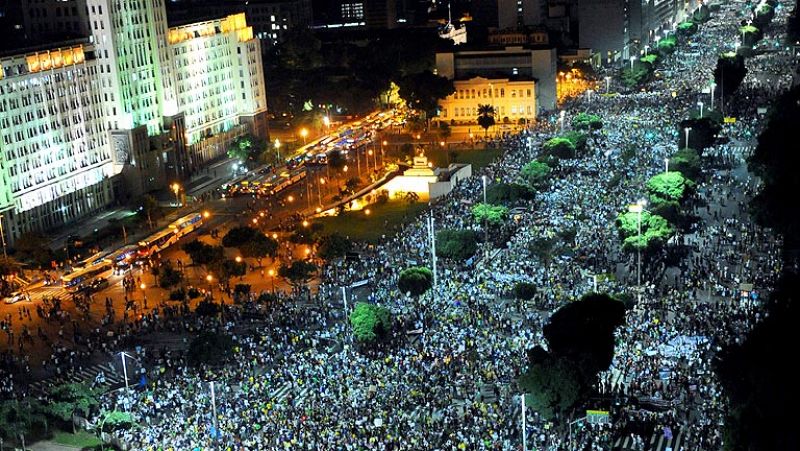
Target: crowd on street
447,380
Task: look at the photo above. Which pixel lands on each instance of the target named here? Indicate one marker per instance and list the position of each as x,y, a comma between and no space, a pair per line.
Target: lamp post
638,208
686,131
608,83
633,58
524,425
432,240
278,150
666,164
383,146
713,88
561,119
700,104
214,411
304,134
176,189
319,189
3,237
271,273
483,178
344,300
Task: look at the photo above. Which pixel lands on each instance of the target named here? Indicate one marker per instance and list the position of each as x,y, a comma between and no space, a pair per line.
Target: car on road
95,286
16,296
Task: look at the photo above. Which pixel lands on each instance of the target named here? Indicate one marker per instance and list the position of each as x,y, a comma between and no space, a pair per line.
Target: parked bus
78,280
187,224
157,242
124,256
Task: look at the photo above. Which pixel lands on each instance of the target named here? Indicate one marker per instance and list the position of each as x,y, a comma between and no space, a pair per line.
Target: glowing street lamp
304,134
271,273
206,214
278,148
327,121
238,259
176,189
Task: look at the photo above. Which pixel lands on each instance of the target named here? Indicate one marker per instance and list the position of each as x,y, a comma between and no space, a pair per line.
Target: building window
352,11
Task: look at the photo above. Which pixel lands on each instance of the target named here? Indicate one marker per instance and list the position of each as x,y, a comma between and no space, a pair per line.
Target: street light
483,178
561,119
238,259
608,83
278,149
327,121
687,130
638,208
304,134
271,273
700,104
666,164
633,58
176,189
206,214
713,88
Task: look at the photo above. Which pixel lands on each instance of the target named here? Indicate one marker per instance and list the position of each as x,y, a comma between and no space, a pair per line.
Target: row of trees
641,69
35,418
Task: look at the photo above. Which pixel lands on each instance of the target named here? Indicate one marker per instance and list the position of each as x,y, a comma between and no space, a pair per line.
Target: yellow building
512,100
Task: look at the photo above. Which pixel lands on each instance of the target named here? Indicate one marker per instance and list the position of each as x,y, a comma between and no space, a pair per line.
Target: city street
447,372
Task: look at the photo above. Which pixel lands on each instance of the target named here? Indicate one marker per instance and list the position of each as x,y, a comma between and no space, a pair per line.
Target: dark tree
456,244
202,253
370,322
524,290
729,74
237,236
553,385
333,246
210,348
508,193
759,380
422,92
298,274
583,331
259,247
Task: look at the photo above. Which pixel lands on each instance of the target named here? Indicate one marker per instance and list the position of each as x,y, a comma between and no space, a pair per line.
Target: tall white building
141,101
55,157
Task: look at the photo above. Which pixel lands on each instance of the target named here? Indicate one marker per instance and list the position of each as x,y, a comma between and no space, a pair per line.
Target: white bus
89,261
157,242
187,224
81,278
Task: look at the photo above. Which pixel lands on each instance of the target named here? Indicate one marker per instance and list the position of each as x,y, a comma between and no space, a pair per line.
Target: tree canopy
298,273
456,244
415,280
370,322
508,193
536,174
333,246
687,162
422,91
655,230
668,186
587,121
559,147
494,215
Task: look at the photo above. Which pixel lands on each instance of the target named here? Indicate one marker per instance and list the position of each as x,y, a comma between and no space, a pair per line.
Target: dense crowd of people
297,380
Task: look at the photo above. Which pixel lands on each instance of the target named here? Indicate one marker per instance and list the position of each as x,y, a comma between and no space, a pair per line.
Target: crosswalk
86,376
679,441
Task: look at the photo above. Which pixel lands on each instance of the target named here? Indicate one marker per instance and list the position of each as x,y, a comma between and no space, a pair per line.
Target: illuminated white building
55,157
137,107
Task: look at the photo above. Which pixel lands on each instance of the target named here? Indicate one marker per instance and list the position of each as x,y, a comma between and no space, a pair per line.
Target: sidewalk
208,179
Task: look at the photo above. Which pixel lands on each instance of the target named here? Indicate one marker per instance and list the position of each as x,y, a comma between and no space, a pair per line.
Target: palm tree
485,117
